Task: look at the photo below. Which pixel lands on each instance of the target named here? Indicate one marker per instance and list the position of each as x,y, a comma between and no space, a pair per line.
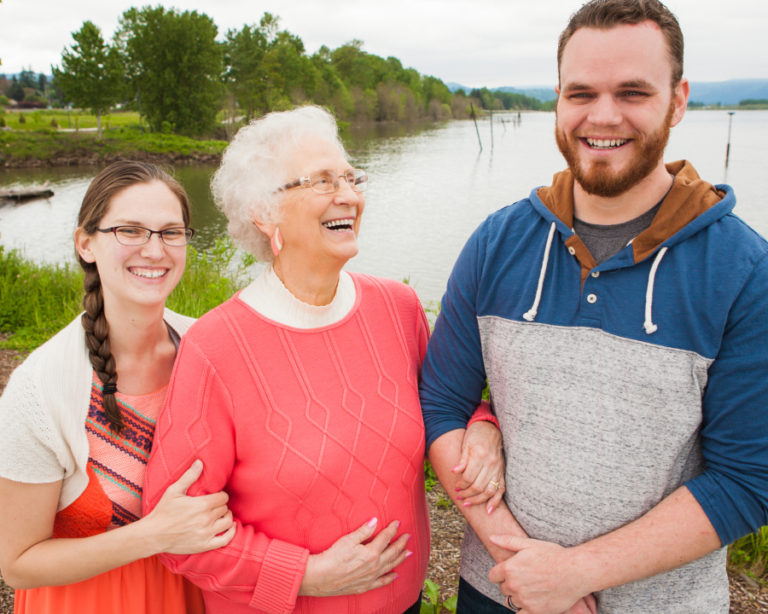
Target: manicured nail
455,468
396,576
408,553
490,510
459,498
457,489
466,504
397,524
372,522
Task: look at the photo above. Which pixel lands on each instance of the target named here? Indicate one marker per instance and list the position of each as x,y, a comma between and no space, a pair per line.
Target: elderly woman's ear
273,232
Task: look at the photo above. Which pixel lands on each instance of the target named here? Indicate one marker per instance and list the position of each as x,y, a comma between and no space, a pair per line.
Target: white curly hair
254,166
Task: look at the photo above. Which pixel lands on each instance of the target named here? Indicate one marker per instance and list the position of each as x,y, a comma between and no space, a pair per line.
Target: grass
38,300
43,119
36,135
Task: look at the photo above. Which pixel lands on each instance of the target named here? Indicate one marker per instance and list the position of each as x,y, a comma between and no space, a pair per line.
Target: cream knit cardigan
43,411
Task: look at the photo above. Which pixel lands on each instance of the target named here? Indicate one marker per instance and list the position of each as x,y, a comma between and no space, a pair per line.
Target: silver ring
511,605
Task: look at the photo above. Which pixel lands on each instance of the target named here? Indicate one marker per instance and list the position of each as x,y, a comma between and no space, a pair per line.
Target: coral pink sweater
312,432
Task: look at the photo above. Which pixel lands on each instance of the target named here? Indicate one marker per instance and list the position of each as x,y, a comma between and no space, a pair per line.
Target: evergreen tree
91,73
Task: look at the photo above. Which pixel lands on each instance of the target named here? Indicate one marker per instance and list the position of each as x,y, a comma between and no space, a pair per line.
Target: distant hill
706,92
729,92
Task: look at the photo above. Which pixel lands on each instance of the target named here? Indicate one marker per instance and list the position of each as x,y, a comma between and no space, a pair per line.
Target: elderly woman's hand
481,466
351,566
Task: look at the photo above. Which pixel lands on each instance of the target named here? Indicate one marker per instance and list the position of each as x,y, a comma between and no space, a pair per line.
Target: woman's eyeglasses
327,182
138,235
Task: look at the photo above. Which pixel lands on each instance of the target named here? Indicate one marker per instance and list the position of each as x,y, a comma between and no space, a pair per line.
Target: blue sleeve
733,490
453,375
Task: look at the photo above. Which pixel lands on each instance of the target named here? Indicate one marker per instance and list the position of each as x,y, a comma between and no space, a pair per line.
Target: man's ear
83,245
680,95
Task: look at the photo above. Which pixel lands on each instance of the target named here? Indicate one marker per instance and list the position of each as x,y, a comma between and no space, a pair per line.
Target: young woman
77,420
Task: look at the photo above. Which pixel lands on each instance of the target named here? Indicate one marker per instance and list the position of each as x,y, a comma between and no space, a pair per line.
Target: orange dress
116,468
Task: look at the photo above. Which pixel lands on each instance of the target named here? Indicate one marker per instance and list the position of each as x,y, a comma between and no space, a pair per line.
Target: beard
599,179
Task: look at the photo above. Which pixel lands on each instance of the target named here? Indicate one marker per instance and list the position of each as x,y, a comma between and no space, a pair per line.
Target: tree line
170,66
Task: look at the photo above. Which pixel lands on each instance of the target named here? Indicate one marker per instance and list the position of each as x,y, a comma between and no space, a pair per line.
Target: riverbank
29,149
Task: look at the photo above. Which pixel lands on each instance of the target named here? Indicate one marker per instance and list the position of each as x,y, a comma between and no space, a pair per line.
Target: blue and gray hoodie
615,383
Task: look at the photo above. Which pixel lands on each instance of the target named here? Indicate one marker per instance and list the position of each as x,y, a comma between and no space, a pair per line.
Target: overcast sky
473,42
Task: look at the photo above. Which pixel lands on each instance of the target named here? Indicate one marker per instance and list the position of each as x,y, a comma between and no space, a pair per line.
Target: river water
429,188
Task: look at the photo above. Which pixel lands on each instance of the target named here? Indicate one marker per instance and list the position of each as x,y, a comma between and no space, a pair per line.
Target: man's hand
539,578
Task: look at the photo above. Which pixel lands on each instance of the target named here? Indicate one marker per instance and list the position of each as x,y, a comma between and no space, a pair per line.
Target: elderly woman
300,396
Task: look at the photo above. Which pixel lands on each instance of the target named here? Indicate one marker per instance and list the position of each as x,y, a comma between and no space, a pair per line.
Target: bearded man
620,319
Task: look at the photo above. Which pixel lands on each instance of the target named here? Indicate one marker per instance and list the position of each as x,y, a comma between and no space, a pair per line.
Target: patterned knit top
120,461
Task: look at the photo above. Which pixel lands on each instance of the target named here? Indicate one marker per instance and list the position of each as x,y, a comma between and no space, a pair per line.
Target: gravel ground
747,596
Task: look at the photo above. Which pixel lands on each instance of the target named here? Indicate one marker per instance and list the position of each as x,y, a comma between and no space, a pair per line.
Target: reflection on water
430,187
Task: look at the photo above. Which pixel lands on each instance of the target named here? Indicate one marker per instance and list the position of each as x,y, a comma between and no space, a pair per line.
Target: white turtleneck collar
267,295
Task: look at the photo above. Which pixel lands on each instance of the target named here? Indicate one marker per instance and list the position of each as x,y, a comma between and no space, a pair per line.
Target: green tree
91,72
174,67
246,74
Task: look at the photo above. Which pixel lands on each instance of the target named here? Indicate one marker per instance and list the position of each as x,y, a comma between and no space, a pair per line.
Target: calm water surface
429,188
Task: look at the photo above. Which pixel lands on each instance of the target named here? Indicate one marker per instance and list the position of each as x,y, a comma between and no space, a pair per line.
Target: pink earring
276,242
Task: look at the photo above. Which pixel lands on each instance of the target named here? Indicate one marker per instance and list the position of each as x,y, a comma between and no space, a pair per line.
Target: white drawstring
530,315
648,325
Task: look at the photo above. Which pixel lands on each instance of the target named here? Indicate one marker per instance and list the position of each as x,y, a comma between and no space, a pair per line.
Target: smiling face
318,230
616,105
143,274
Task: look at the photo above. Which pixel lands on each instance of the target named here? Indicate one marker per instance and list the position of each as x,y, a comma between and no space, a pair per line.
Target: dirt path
747,597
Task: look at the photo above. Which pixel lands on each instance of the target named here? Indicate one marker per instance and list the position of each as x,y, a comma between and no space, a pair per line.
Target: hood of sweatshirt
690,205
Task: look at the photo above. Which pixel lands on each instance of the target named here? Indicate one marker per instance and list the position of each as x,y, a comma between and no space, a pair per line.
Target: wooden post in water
491,112
728,146
474,118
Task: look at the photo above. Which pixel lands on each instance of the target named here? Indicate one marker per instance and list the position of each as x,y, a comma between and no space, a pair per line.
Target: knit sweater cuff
280,577
484,413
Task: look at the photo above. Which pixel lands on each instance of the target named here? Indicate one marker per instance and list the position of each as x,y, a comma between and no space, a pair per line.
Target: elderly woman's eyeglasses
138,235
327,182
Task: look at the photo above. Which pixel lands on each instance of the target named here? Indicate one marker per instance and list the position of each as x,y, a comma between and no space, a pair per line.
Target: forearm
444,454
58,561
671,534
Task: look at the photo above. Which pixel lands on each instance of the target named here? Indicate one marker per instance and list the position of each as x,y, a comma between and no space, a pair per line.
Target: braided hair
96,202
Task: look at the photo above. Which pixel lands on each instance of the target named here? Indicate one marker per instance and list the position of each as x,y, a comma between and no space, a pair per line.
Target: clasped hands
541,577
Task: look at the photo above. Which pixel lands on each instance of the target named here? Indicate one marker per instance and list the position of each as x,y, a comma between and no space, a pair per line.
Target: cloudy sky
472,42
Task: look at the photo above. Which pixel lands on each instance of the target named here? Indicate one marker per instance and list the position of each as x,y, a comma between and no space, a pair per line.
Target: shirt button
571,250
595,273
591,298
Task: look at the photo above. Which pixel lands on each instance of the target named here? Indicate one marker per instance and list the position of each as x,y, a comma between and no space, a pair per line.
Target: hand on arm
444,454
480,470
31,557
352,566
544,578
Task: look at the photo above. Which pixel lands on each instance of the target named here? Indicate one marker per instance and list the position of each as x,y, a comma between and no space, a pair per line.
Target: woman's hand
351,566
186,525
481,466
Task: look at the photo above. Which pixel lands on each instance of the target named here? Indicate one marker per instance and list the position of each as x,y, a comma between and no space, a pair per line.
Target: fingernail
457,489
397,524
459,498
408,553
490,510
372,522
455,468
466,504
396,576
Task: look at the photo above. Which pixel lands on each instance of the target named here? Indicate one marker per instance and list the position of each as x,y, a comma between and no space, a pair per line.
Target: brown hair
605,14
108,183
